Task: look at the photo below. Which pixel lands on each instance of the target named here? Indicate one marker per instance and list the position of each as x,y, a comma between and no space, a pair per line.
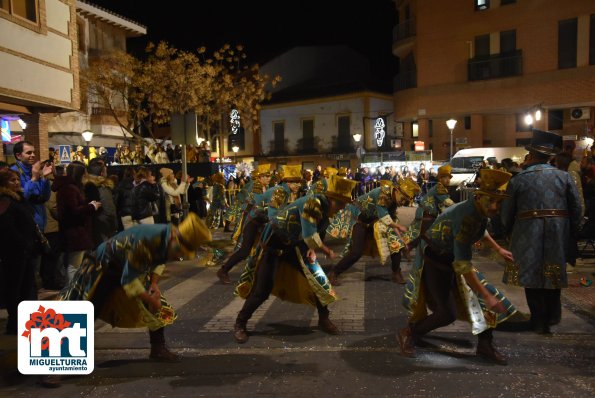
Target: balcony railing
278,147
307,146
405,80
495,67
404,30
98,111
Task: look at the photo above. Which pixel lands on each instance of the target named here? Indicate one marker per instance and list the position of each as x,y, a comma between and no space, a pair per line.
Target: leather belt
434,249
542,213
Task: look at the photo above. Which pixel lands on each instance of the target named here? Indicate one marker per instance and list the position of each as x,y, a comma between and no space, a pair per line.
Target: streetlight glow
87,136
235,150
451,123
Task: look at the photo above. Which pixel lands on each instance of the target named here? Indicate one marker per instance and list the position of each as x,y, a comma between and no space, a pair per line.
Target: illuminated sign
379,131
234,121
5,128
419,146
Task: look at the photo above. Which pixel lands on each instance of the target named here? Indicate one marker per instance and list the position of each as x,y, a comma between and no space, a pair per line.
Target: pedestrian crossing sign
64,154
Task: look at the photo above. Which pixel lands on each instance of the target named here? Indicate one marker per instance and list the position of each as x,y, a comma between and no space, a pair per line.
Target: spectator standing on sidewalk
172,192
75,215
542,212
145,197
20,247
53,275
197,197
100,189
124,200
33,175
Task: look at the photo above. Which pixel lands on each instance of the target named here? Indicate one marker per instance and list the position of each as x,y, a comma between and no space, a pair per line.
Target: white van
466,162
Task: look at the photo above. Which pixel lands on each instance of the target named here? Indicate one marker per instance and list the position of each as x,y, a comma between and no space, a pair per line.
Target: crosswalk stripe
225,319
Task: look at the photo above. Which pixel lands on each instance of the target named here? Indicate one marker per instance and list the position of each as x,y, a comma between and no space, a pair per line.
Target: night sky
267,28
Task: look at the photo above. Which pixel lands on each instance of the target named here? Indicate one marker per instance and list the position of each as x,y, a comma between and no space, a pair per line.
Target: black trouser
53,272
545,306
18,284
359,233
249,235
157,337
440,286
265,278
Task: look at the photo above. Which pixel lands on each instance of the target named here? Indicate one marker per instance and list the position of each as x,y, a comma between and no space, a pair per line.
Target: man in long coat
543,210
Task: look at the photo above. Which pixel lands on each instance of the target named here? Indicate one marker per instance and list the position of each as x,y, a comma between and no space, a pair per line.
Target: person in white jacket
173,200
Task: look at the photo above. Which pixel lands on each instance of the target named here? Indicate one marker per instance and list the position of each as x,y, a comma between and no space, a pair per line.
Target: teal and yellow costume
444,279
218,203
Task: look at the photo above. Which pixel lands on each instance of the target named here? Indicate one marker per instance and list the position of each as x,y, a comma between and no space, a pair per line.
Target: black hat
545,142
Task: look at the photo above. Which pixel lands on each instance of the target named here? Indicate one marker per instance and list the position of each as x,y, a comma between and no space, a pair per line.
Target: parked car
466,162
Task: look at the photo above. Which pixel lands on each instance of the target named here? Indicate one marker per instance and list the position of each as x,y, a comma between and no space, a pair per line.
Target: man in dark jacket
99,188
146,196
124,200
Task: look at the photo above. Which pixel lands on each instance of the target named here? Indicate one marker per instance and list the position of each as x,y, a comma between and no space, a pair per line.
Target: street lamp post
87,136
357,138
235,150
451,123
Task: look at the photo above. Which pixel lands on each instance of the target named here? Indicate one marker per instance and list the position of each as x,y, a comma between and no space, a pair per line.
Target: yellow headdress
263,170
342,172
329,171
493,182
193,232
340,188
408,187
445,170
387,184
292,173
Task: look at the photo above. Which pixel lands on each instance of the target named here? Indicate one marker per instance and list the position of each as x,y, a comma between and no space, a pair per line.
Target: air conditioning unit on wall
580,113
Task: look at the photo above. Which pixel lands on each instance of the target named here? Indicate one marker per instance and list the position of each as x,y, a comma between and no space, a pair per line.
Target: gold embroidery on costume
312,210
553,273
511,274
279,198
257,187
468,232
462,266
384,198
441,189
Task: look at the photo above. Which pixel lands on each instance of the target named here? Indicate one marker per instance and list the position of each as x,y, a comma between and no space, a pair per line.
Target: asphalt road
287,356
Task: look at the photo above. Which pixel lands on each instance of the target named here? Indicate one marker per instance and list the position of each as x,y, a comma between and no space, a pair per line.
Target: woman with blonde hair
172,192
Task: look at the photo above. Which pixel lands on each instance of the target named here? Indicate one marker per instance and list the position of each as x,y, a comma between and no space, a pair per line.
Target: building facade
325,98
99,31
40,70
490,63
43,46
